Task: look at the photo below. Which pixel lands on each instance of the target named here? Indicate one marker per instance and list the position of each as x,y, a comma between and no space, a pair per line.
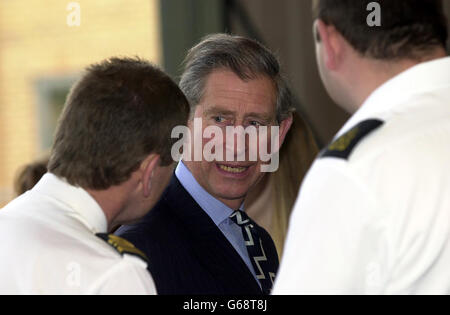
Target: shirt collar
395,93
215,209
84,207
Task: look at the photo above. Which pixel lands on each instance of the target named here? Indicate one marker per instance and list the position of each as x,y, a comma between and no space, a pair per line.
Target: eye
255,123
219,119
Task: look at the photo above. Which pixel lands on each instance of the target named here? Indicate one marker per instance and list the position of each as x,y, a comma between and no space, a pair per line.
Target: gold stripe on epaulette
343,142
124,247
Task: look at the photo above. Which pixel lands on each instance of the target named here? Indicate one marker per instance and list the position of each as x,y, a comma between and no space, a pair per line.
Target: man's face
229,101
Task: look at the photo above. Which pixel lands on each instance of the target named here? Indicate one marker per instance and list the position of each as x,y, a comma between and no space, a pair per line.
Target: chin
235,195
233,191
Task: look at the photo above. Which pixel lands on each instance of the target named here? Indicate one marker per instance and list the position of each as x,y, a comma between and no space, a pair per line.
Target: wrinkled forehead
225,90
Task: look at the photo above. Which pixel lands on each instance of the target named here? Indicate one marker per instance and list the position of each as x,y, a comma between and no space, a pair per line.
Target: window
51,96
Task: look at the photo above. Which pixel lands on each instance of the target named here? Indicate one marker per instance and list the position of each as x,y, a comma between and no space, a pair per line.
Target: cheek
209,167
321,62
265,142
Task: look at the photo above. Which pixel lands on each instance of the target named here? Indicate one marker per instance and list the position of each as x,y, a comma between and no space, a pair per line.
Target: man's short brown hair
245,57
119,112
409,28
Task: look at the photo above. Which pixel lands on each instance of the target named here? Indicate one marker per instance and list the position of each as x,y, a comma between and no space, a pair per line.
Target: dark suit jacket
187,252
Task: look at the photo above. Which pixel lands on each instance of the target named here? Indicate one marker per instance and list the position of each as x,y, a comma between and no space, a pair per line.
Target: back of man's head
408,29
119,112
362,44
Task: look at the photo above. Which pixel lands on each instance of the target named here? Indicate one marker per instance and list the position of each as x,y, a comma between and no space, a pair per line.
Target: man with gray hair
198,238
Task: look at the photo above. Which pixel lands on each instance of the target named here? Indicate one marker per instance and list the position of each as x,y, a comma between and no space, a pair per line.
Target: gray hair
247,58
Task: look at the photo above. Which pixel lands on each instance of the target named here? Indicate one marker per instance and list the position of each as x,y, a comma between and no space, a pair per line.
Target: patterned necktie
264,268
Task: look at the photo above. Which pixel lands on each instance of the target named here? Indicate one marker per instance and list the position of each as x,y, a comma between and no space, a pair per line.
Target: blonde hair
296,157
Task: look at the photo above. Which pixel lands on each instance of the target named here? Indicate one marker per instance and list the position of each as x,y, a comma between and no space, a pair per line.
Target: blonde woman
271,201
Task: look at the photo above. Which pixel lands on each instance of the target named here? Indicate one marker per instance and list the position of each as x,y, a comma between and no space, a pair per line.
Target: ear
329,38
148,167
284,128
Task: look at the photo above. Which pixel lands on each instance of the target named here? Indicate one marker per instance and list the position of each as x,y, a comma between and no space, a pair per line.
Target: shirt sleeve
330,243
128,277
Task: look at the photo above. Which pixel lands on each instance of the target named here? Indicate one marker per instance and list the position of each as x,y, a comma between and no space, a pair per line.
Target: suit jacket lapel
212,248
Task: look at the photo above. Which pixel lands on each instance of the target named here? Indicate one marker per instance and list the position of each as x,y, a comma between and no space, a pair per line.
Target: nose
238,141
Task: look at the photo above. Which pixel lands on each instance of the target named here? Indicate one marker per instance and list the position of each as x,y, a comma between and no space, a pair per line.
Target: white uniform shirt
379,221
48,246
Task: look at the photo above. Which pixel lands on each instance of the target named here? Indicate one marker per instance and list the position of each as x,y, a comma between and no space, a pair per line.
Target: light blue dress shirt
217,211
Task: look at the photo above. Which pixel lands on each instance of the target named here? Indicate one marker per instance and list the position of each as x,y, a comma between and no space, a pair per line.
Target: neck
112,201
374,73
232,204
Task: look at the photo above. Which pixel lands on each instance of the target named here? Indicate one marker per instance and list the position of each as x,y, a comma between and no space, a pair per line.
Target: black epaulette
122,245
343,147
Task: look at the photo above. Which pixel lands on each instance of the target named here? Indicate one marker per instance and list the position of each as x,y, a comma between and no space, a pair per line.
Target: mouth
233,170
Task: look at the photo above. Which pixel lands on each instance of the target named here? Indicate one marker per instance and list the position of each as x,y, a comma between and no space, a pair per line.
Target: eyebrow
223,111
218,110
265,117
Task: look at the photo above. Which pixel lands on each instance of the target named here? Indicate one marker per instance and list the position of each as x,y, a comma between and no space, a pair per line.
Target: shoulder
60,253
402,151
111,265
371,138
127,275
343,147
126,280
122,246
